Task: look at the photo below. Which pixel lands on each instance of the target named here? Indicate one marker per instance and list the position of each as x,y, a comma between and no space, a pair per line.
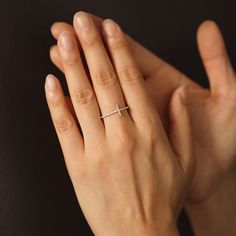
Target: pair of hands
131,174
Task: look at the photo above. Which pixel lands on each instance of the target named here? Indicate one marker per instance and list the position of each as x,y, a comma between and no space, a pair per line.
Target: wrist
165,228
162,231
170,230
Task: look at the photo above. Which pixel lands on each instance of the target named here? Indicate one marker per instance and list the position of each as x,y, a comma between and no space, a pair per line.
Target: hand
128,177
213,112
215,176
159,75
211,203
206,107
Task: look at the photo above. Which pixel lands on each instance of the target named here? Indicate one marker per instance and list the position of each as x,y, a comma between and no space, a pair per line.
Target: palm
209,127
214,122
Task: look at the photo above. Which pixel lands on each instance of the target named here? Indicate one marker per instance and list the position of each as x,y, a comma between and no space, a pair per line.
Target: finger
105,82
64,123
56,58
142,55
59,27
81,91
129,75
215,58
180,130
70,106
167,79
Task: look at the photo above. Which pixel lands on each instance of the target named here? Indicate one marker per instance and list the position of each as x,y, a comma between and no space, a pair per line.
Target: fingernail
183,93
52,28
83,21
110,27
51,83
66,40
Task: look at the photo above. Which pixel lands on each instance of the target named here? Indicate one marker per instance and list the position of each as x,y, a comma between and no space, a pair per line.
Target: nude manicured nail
83,21
110,27
66,41
51,83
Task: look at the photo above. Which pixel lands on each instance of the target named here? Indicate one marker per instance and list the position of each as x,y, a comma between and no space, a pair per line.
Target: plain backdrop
36,195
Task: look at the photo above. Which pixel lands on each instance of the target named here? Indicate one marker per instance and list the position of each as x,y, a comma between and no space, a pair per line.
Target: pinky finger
65,125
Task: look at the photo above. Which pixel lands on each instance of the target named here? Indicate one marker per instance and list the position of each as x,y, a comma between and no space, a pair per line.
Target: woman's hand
211,202
158,74
128,177
213,191
214,115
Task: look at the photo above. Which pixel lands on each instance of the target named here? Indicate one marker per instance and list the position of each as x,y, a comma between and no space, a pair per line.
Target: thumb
180,129
215,58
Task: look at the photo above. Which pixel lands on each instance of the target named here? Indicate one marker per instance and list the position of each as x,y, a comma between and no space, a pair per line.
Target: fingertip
59,27
52,48
206,25
54,92
209,35
53,29
177,104
180,128
179,97
188,93
109,28
215,57
56,58
183,93
51,83
53,52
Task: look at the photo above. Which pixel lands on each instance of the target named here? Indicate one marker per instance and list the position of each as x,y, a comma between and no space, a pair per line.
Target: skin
131,179
211,199
213,192
158,74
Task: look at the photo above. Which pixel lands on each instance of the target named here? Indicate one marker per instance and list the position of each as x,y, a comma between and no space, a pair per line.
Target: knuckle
56,102
125,139
64,125
118,44
71,60
151,132
105,78
90,40
151,122
218,59
130,75
84,97
100,162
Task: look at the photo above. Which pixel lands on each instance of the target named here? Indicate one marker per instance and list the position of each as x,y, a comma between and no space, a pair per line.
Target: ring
118,110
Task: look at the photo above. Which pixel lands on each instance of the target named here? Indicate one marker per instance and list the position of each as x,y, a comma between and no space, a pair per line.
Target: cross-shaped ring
118,110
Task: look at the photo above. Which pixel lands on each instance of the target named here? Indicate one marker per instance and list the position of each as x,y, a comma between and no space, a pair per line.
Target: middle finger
105,81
